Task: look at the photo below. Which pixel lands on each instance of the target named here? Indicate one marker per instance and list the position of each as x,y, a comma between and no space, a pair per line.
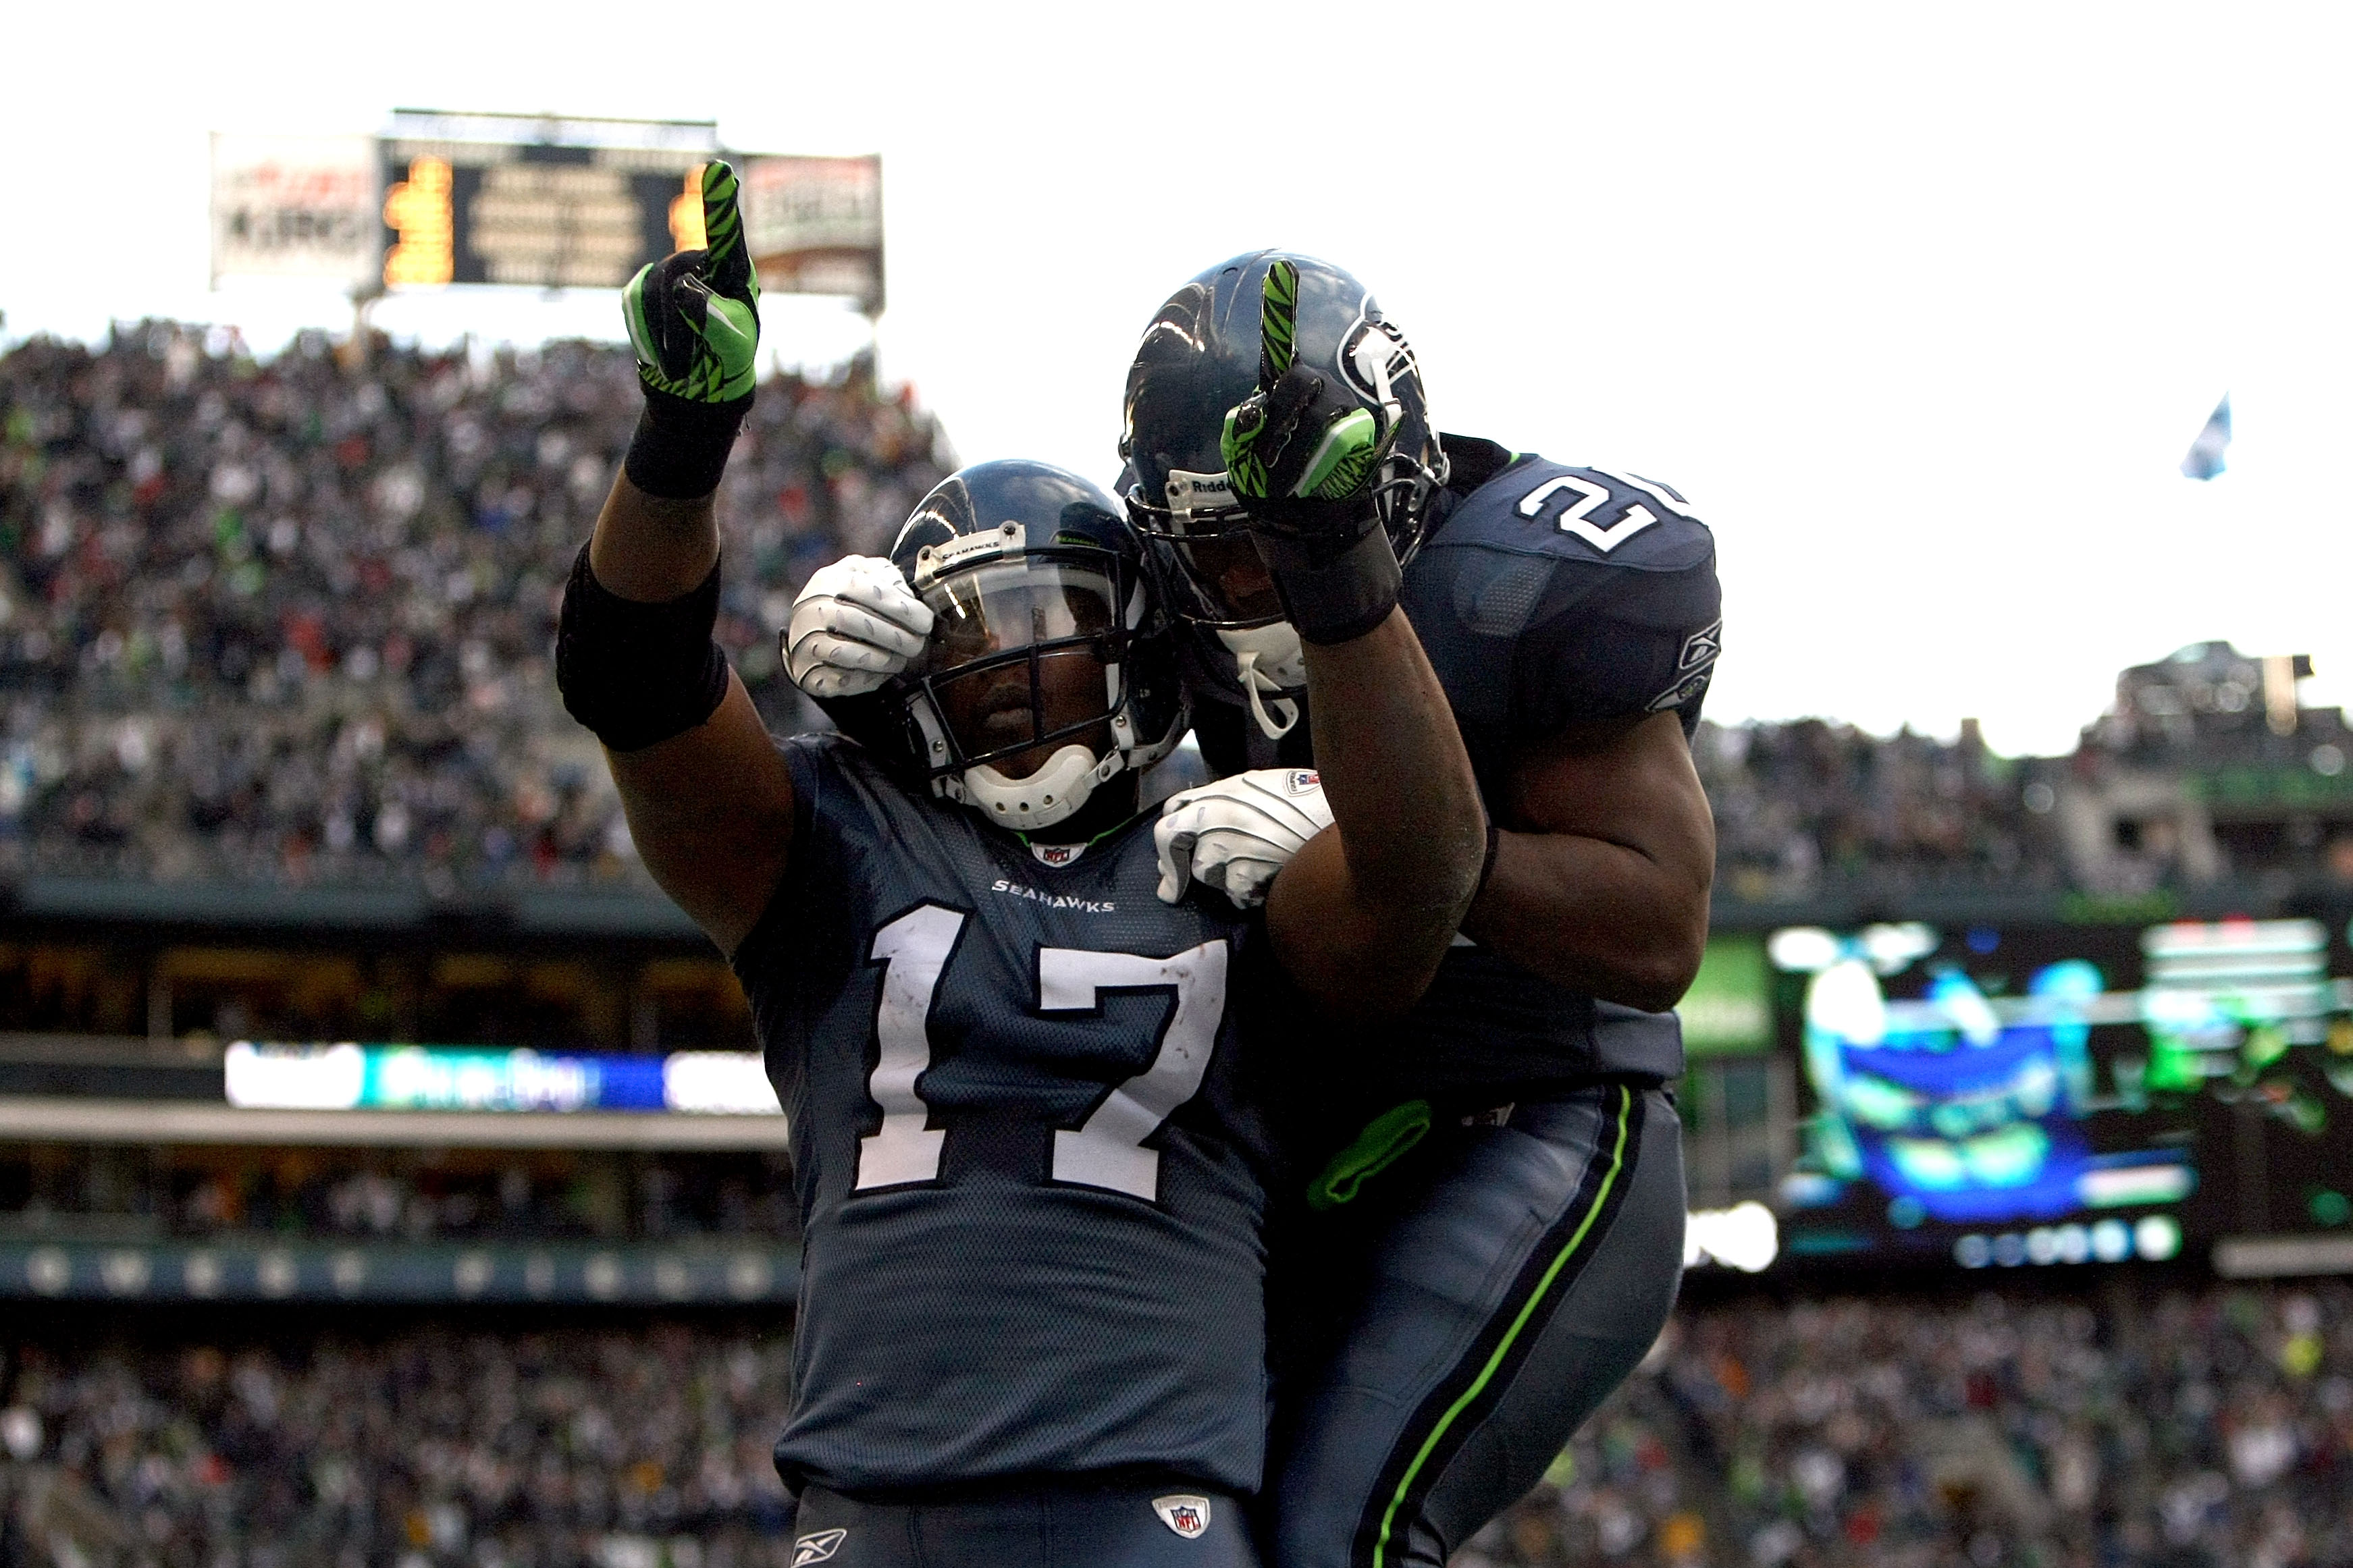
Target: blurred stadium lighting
1745,1237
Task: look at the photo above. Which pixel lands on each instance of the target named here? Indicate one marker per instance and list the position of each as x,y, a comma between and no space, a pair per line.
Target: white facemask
1269,659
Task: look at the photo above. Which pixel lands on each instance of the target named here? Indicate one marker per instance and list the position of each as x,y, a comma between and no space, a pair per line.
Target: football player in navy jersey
1500,1240
1031,1323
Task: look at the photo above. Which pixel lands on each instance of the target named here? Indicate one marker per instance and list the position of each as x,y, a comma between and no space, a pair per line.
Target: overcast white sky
1921,306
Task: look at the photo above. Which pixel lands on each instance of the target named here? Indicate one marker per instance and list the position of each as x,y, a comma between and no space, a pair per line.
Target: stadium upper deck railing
640,916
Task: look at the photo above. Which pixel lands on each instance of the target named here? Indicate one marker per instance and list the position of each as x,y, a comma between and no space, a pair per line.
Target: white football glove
855,626
1236,834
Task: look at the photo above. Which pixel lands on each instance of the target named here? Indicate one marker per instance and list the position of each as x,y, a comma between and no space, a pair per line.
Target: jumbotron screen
2066,1094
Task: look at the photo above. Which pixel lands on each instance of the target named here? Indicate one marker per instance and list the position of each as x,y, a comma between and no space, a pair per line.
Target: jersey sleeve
1611,643
1552,597
810,871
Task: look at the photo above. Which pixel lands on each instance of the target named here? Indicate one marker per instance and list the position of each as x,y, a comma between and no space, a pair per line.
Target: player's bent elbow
1368,996
1657,990
1653,975
1362,981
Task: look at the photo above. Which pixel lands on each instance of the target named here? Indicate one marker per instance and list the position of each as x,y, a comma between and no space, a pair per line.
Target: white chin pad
1046,796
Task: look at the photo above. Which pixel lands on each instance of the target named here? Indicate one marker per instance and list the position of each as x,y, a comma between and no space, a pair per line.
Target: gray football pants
1071,1524
1446,1332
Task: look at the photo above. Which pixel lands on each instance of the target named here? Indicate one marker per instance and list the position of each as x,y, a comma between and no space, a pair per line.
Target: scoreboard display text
548,217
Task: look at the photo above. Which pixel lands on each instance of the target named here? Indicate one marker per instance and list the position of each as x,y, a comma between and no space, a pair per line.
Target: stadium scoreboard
540,202
548,204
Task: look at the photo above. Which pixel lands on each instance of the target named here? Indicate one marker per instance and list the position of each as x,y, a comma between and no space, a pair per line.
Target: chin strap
1267,660
1274,725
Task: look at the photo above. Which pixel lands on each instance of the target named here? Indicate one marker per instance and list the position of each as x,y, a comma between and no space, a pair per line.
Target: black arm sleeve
636,673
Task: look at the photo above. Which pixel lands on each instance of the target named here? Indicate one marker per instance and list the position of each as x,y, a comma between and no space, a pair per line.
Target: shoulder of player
1577,513
833,774
823,754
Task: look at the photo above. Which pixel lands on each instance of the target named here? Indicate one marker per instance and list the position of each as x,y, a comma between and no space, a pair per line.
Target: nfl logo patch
1302,780
1188,1516
1056,854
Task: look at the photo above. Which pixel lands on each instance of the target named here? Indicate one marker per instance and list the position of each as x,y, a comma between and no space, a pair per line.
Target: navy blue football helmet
1048,638
1200,357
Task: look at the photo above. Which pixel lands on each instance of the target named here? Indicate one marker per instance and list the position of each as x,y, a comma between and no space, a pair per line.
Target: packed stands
1803,804
2104,1424
624,1447
289,619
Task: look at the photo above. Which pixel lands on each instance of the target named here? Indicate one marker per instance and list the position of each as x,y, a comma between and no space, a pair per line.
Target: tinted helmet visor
1023,652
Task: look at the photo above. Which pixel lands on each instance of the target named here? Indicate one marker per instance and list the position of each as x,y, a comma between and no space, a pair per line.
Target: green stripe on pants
1527,1309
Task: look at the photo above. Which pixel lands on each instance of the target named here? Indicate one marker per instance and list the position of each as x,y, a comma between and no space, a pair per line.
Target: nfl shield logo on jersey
1300,781
1056,854
1188,1516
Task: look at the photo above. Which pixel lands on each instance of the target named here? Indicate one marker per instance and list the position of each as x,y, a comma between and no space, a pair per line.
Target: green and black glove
694,321
1304,456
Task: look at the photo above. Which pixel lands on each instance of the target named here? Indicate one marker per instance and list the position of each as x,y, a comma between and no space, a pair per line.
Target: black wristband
638,673
1332,594
680,448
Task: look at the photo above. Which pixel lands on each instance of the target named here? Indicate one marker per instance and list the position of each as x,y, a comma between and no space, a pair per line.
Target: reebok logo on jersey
1701,647
1011,888
1186,1514
816,1548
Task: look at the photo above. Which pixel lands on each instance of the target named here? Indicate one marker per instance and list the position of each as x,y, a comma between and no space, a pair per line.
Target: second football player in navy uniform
1031,1329
1502,1241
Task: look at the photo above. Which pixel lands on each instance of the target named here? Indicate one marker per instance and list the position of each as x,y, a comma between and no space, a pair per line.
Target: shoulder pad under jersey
1552,595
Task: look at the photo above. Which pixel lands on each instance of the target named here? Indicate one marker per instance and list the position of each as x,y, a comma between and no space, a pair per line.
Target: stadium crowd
2111,1426
2104,1427
1800,803
639,1448
287,619
291,618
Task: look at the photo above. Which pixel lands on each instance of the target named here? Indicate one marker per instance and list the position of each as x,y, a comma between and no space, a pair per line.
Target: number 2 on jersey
1106,1150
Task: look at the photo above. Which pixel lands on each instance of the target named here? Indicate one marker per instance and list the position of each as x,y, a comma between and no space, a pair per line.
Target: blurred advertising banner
547,203
1728,1011
815,226
353,1077
294,206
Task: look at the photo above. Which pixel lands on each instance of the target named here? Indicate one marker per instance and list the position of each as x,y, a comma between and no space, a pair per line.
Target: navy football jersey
1549,596
1545,596
1031,1193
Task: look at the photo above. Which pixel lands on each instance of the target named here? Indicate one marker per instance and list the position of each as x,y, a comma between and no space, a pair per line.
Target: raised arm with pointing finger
1496,1236
1031,1177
